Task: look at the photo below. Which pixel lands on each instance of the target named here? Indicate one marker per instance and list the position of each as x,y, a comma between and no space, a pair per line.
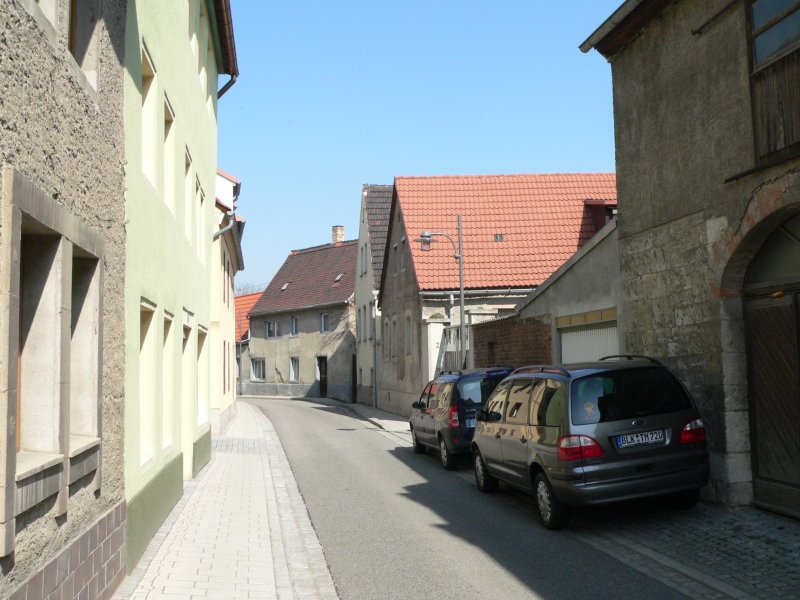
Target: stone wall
61,131
693,209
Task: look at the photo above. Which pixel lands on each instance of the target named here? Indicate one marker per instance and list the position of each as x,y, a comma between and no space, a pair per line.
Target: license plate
472,423
640,439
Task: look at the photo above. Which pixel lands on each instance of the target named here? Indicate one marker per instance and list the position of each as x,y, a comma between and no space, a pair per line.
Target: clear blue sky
335,94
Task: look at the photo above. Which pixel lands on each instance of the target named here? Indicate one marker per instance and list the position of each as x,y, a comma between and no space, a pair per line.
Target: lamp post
426,237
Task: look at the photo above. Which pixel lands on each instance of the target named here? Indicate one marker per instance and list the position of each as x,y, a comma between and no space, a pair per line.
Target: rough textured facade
61,137
697,201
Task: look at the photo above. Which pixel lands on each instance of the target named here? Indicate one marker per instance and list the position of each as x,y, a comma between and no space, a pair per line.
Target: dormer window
285,285
339,277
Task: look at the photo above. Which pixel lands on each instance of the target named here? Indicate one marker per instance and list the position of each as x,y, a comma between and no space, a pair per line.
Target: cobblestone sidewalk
241,530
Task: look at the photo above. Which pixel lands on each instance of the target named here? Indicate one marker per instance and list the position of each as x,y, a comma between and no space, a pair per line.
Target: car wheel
551,511
448,460
419,448
486,481
686,499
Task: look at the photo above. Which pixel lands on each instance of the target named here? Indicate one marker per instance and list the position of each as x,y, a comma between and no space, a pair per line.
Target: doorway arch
771,294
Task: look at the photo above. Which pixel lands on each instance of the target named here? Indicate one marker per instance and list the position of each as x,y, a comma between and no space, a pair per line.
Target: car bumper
579,493
459,441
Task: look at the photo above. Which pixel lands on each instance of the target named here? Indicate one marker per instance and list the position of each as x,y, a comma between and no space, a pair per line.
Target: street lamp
426,237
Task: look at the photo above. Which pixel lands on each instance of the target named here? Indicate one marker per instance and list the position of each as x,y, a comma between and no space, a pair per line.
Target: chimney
338,233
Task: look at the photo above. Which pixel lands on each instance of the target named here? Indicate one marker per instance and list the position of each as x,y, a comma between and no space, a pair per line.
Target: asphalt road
394,524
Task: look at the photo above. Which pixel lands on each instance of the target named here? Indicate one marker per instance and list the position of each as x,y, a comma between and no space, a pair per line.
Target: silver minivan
594,433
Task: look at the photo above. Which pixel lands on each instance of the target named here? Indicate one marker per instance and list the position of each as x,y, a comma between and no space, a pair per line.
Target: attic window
499,237
339,277
285,285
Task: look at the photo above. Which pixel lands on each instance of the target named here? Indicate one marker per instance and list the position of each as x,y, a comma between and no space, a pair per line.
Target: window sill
31,463
38,477
78,444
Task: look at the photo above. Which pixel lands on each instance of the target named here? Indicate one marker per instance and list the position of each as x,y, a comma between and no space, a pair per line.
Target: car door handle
497,435
523,440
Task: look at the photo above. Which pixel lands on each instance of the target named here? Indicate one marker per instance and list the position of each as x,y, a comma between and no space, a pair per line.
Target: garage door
588,344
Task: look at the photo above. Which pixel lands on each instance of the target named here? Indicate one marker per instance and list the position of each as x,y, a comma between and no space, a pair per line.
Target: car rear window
476,391
626,394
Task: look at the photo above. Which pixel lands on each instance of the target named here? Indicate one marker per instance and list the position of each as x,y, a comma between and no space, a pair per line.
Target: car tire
448,460
686,499
485,481
419,447
551,512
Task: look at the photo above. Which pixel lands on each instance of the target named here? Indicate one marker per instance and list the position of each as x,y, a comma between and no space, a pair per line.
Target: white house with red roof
302,328
516,231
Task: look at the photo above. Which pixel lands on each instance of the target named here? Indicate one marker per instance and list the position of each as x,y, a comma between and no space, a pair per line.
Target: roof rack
451,372
632,357
543,369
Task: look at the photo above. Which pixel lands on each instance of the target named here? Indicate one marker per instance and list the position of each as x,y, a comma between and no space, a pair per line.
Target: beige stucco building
174,53
62,264
226,261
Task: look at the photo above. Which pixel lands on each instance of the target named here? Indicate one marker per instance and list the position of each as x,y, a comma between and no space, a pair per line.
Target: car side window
423,399
495,405
444,395
548,398
519,397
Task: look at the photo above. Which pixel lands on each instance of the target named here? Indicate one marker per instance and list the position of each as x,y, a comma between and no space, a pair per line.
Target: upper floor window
775,28
294,326
775,42
272,329
83,42
323,322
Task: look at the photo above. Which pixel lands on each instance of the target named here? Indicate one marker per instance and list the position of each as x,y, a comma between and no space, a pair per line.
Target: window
425,396
359,330
49,9
775,42
83,41
203,398
394,337
546,403
385,342
402,256
149,110
323,322
294,369
169,156
188,197
272,329
168,384
294,326
258,369
495,406
444,395
519,397
53,377
147,382
407,336
200,203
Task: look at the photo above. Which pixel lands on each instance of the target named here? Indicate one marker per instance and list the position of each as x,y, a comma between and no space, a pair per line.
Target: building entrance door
322,369
772,316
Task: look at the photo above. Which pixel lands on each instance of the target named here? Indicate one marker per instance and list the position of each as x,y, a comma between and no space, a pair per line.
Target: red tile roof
243,305
310,277
543,220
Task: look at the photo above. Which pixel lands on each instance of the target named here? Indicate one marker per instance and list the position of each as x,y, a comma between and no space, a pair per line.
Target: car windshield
626,394
476,391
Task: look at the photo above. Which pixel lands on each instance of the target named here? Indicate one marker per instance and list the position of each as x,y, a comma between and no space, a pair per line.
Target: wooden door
773,335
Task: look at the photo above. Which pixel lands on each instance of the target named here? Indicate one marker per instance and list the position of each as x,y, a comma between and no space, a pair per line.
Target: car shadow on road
505,528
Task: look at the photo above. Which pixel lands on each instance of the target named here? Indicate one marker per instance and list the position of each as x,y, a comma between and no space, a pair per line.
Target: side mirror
494,416
417,405
480,415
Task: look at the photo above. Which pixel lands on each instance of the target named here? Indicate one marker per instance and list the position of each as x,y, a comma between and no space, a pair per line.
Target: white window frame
324,323
294,369
256,364
294,326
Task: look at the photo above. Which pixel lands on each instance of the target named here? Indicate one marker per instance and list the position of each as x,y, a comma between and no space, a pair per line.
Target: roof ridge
552,174
322,247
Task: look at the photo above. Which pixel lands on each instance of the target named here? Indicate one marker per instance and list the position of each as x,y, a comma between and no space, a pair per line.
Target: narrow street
394,524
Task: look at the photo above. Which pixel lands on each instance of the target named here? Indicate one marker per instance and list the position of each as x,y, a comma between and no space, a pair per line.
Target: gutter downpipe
232,216
227,86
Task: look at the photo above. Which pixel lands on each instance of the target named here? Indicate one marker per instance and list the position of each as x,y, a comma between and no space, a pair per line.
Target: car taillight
693,431
578,447
453,420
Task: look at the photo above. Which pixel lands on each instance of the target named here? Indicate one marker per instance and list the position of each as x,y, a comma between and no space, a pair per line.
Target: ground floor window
294,369
258,369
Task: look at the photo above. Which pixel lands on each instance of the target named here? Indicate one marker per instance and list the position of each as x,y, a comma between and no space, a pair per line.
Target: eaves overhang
623,26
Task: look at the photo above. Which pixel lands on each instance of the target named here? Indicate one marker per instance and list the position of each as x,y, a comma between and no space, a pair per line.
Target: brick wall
513,341
90,567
